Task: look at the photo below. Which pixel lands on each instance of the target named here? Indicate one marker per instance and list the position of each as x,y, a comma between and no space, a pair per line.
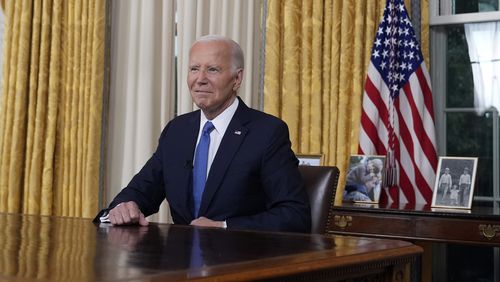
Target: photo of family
364,179
455,182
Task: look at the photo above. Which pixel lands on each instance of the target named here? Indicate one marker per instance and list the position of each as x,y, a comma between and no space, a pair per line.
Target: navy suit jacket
253,183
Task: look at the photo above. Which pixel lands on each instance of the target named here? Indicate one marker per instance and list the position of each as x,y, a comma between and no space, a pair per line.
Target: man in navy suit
252,177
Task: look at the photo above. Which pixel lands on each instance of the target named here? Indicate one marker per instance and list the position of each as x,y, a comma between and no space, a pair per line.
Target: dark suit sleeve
146,187
287,203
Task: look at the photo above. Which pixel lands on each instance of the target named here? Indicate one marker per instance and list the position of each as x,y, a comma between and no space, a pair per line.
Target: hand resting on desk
127,213
203,221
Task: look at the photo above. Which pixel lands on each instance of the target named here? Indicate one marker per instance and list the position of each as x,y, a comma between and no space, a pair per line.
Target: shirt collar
221,122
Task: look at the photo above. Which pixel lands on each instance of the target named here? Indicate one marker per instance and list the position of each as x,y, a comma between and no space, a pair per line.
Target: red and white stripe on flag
398,115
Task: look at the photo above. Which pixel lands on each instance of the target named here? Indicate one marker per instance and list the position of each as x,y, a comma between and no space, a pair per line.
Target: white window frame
447,18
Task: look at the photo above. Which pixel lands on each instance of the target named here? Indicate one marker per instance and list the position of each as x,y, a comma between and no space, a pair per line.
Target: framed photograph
314,160
454,187
364,178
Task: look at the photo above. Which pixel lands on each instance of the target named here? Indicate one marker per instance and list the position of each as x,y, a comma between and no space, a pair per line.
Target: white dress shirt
221,122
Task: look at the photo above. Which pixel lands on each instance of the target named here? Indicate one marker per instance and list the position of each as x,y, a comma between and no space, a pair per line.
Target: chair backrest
321,184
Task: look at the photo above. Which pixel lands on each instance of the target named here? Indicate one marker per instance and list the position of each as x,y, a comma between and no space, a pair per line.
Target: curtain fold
483,40
142,94
2,40
316,55
51,107
424,30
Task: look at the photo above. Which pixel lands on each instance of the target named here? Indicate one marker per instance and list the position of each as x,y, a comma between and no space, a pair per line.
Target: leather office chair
321,184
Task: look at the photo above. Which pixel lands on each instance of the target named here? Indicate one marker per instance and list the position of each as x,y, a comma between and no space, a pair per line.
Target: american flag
397,118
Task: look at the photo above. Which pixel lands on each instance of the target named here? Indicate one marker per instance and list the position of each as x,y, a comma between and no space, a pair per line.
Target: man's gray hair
237,60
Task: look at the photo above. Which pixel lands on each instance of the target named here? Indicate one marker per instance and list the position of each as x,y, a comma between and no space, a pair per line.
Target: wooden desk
423,226
71,249
479,226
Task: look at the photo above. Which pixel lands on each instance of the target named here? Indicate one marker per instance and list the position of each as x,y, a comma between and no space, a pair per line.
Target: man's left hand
203,221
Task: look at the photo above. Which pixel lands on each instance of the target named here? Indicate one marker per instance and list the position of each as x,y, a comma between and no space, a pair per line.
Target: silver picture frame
454,185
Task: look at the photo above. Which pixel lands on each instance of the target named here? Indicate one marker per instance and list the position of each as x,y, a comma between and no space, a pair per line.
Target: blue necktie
200,166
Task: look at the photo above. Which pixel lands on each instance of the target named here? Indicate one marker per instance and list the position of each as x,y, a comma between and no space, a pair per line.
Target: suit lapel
183,191
234,136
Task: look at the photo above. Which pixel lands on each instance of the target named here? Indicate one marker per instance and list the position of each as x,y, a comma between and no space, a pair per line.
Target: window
454,7
465,71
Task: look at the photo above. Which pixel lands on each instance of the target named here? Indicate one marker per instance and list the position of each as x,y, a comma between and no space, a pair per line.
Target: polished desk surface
72,249
479,225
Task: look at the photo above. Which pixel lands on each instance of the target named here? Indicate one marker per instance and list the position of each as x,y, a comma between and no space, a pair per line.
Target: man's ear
238,79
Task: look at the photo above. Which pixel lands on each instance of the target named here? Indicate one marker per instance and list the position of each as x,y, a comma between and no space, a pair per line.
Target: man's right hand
127,213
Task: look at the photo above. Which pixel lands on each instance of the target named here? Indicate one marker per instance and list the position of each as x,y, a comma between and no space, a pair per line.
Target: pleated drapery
142,89
51,107
316,59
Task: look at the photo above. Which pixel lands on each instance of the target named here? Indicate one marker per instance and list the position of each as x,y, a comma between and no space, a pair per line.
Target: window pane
459,84
482,204
470,135
467,6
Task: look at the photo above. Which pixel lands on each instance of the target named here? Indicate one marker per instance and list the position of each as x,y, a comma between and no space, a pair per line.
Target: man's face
211,80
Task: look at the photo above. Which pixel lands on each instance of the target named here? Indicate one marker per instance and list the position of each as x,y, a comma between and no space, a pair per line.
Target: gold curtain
316,59
51,107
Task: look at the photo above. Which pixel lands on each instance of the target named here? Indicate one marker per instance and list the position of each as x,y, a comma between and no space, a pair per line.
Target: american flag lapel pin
237,132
